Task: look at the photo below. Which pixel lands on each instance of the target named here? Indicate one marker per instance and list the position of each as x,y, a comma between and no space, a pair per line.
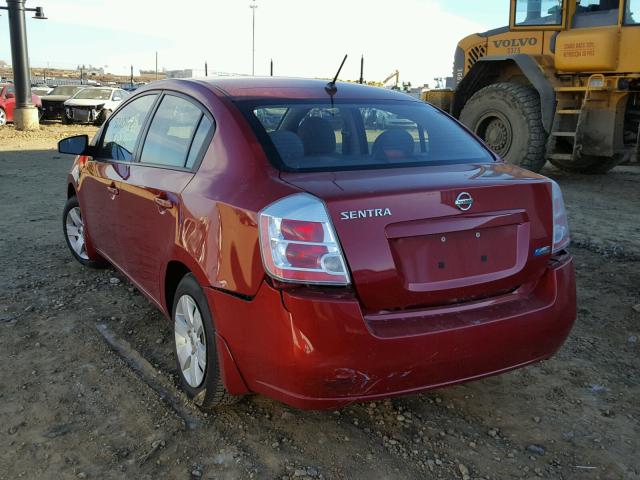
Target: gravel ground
71,408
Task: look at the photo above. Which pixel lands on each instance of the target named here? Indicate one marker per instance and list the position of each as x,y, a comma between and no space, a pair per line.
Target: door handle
163,202
112,189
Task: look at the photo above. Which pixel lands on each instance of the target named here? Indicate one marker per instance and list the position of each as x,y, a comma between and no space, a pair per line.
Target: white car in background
93,105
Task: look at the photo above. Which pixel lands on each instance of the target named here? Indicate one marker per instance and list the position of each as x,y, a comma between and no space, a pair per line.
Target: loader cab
570,14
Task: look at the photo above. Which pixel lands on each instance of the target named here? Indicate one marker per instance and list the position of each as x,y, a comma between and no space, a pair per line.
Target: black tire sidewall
588,165
203,394
513,102
104,116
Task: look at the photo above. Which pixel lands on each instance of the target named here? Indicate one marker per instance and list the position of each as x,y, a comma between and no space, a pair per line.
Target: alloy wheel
3,117
191,343
75,232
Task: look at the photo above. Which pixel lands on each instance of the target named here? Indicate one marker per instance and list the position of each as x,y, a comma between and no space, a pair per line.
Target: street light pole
253,7
25,115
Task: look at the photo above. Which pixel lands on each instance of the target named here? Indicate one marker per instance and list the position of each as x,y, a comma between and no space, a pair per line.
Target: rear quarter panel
220,206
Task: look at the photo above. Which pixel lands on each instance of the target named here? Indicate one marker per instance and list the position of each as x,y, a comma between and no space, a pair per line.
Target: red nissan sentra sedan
304,253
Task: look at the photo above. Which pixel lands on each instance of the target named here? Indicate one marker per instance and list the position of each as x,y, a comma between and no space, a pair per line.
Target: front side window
323,137
172,130
124,128
632,12
538,13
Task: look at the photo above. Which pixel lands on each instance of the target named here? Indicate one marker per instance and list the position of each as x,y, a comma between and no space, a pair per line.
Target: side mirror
11,95
76,145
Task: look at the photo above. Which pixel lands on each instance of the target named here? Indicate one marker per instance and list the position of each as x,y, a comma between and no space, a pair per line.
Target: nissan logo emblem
464,201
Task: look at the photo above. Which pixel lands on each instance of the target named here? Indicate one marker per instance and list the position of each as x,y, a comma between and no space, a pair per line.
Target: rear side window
202,133
174,132
321,137
124,128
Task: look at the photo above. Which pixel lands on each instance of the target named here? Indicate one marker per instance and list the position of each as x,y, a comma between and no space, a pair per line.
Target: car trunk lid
408,244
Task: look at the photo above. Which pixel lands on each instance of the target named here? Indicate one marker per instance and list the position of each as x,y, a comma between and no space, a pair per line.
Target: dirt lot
71,408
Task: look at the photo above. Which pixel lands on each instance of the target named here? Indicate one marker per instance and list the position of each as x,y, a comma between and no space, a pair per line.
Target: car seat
288,145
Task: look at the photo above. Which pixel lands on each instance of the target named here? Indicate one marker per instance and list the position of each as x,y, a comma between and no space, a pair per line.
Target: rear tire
589,164
194,337
3,117
508,117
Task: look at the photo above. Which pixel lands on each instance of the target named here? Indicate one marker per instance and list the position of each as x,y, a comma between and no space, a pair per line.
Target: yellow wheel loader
560,83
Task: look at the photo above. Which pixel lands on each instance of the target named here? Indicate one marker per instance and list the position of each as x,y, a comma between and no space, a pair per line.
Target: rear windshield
319,136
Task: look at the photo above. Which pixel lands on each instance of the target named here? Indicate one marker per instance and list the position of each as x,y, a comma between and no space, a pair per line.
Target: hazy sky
305,38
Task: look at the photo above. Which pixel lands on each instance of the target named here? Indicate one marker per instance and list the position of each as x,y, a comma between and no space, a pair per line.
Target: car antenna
330,87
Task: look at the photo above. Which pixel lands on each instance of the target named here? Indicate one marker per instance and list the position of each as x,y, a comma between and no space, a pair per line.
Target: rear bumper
311,350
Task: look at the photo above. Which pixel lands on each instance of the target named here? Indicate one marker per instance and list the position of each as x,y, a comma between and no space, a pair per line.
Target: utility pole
253,7
362,69
25,116
156,66
271,70
131,76
206,69
82,75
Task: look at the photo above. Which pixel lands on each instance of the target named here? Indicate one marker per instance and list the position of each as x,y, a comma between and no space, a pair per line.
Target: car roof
265,88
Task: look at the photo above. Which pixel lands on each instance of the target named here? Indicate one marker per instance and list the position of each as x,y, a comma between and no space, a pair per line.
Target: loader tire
508,118
589,164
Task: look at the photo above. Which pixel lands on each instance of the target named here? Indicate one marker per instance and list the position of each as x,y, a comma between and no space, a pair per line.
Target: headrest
317,136
392,144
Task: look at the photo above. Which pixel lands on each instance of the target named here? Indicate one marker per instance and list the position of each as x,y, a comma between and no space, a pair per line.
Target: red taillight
301,230
298,242
305,256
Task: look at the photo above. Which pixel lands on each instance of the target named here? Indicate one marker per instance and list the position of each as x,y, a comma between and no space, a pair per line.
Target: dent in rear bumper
311,351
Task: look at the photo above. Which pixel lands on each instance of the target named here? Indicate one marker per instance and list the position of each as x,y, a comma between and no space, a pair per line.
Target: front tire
3,117
195,347
508,117
77,237
104,115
